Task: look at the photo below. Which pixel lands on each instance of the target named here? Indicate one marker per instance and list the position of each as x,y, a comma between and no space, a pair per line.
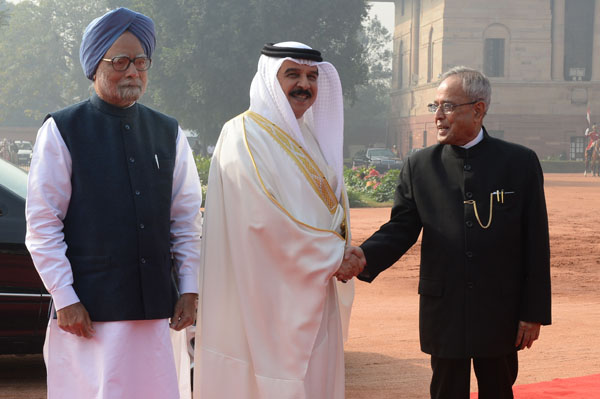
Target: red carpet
587,387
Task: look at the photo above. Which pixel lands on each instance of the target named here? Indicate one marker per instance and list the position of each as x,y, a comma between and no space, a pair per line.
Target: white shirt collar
475,141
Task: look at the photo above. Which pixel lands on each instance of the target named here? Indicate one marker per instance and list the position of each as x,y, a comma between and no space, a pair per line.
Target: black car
23,299
381,159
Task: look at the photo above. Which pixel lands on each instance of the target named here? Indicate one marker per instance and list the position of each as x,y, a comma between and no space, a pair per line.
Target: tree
207,53
208,50
3,13
366,117
39,59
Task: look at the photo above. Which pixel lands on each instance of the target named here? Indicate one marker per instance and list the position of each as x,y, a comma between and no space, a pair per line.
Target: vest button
467,167
131,159
469,254
469,194
143,260
127,127
137,192
142,225
469,223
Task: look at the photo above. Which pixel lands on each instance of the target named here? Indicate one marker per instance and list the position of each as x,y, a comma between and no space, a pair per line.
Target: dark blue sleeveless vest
117,224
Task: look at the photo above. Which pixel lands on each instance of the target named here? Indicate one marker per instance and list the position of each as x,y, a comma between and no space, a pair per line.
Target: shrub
370,184
387,186
203,166
355,199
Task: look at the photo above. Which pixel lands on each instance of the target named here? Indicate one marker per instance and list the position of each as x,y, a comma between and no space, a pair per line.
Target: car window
382,152
13,178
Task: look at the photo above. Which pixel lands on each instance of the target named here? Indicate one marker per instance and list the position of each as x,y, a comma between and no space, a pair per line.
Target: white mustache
132,82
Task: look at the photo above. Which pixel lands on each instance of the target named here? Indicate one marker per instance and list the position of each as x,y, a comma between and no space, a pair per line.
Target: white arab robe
273,239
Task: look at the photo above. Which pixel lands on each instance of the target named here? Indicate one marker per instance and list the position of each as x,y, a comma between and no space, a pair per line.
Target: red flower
373,173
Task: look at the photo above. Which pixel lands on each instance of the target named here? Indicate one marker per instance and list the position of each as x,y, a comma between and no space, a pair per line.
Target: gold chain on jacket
305,163
499,196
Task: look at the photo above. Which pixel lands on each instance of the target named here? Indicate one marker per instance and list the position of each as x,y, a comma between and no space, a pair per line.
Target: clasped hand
352,265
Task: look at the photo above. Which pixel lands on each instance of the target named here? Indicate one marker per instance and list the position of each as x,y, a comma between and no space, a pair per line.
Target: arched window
495,51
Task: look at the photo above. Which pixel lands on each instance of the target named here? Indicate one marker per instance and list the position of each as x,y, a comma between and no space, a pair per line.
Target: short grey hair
474,83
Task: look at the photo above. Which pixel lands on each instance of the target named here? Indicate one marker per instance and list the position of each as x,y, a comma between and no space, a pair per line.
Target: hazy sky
385,13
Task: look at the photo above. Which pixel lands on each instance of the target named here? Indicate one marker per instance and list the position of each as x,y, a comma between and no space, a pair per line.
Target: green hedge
562,166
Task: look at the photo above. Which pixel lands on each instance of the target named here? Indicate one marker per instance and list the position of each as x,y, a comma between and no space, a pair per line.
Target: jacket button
127,127
469,254
131,159
143,260
469,194
142,225
467,167
469,284
469,223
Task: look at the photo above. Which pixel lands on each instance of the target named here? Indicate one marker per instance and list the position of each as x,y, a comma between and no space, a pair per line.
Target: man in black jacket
484,281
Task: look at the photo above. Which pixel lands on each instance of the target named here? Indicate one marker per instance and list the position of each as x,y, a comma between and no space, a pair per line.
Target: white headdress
325,118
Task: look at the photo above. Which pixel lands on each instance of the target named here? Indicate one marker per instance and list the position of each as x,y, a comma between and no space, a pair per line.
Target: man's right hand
353,263
75,320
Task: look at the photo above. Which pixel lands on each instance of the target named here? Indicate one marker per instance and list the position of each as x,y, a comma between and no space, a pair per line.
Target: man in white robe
113,206
275,236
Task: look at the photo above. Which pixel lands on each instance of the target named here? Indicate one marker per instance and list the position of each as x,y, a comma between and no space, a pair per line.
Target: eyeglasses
121,63
447,108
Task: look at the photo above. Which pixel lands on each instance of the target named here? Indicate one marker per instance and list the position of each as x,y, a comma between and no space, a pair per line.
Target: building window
402,8
424,138
400,64
430,56
579,39
493,62
577,148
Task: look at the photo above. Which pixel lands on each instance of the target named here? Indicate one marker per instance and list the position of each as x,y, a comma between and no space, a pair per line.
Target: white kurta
125,359
269,316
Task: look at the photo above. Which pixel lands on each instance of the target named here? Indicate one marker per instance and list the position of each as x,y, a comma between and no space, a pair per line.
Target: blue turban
102,32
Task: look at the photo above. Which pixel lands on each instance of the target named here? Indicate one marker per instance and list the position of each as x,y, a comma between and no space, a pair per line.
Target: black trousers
495,377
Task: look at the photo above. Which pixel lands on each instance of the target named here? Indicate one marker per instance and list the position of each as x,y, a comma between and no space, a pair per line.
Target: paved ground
382,356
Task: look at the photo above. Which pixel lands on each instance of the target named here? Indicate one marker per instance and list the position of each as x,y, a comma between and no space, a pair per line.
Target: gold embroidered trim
305,163
344,230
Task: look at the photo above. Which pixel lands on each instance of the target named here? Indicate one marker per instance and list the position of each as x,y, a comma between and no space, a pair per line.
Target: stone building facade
542,57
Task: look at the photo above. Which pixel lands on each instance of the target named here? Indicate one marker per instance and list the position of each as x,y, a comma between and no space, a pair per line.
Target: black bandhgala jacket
475,284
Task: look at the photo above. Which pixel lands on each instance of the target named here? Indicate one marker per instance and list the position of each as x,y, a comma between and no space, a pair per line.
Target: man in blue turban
102,32
113,214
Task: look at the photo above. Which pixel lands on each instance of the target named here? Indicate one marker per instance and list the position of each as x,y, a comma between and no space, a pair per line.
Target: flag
588,115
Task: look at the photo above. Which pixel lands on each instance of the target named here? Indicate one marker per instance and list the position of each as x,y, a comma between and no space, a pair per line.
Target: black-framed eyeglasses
447,108
121,63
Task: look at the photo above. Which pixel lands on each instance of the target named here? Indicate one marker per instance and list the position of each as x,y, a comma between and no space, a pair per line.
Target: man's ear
480,109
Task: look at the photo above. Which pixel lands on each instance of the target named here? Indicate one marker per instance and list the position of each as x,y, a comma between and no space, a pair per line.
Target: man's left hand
185,312
528,332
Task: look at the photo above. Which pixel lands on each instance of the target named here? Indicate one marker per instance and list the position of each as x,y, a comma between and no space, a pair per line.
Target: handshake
352,265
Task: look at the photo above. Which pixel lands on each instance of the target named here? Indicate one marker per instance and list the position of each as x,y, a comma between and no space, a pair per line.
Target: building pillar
558,40
414,45
596,45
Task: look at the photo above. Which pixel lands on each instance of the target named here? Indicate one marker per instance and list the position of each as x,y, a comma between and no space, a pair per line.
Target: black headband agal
300,53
